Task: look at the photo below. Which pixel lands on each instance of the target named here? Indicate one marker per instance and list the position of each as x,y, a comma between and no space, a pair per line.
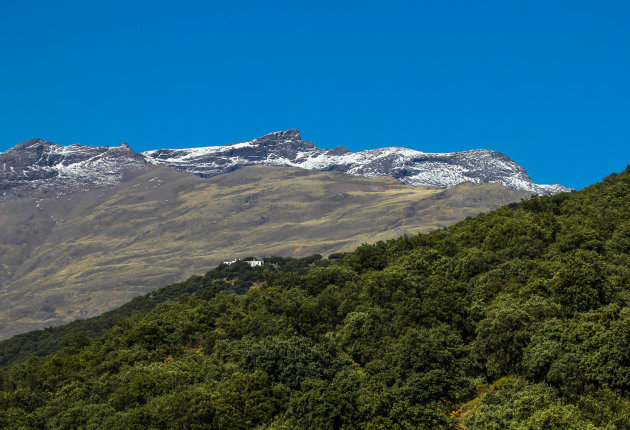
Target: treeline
515,319
235,278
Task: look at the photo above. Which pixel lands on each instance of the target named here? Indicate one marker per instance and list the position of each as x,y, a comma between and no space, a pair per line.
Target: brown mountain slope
77,256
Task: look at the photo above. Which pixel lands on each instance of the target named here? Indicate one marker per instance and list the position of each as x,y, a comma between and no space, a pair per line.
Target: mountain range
84,229
38,167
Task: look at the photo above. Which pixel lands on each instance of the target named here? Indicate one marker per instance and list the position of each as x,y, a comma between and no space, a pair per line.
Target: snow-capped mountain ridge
45,167
286,148
37,166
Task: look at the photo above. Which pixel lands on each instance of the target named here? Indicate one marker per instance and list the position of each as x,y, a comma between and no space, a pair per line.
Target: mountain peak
32,143
284,137
290,134
340,150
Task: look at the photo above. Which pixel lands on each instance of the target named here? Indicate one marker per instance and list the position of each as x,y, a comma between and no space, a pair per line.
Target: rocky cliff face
286,148
40,168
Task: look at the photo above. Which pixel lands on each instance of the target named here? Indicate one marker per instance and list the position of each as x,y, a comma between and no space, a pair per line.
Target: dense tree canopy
515,319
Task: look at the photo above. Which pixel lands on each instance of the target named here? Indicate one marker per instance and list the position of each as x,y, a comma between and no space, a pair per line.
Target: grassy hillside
79,256
515,319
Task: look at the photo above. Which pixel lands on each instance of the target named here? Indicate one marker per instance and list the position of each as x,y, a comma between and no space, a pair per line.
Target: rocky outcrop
40,168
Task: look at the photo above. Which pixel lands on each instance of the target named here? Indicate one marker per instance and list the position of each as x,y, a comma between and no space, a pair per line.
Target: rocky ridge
286,148
37,167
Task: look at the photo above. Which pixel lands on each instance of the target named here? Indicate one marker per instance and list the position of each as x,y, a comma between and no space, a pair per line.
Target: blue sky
545,82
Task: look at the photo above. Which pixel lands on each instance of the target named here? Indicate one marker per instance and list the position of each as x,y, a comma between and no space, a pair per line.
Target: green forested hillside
516,319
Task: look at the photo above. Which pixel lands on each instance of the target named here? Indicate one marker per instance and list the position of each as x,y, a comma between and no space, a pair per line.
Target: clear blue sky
545,82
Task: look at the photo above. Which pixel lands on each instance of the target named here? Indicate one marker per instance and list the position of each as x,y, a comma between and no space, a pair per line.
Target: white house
255,263
227,263
252,263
